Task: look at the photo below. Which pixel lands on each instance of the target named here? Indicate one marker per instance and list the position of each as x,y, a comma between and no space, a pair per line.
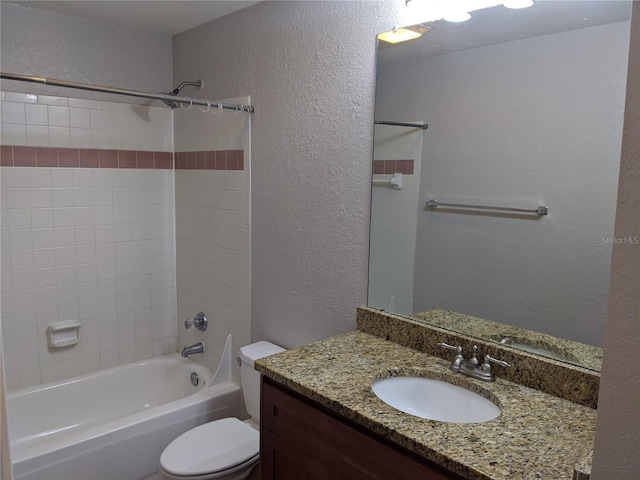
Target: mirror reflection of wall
535,121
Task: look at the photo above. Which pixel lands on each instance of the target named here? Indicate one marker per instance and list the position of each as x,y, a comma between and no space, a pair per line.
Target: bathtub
113,424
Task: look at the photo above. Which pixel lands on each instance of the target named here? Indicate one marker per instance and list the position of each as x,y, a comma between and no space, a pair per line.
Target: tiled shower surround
88,231
213,228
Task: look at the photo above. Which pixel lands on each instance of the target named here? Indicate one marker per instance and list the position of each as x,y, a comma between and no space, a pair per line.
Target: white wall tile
62,216
100,139
65,256
82,177
22,260
16,198
23,280
15,177
42,258
62,197
14,134
59,137
61,177
13,113
38,135
17,219
41,218
20,97
58,116
64,236
36,114
82,103
51,100
45,277
80,138
100,120
85,235
86,254
39,177
83,216
80,118
39,197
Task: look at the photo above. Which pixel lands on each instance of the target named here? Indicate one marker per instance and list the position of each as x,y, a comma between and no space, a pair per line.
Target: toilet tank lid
251,353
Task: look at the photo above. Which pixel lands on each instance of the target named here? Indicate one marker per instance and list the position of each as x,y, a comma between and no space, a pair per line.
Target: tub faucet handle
200,322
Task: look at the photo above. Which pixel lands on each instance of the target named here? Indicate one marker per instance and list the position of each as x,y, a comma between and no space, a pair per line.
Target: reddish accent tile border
210,160
17,156
381,167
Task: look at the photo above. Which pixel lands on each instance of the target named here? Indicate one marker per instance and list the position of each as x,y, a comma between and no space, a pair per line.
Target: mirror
524,109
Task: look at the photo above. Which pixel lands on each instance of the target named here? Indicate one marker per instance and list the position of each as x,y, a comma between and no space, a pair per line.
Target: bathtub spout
191,349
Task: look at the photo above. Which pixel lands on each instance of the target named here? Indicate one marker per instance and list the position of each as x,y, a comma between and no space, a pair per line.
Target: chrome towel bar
541,210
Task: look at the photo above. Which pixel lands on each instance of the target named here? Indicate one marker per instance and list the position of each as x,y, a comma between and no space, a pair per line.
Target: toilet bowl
226,449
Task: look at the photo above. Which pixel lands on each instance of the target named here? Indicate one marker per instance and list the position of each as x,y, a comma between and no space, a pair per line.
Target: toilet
228,448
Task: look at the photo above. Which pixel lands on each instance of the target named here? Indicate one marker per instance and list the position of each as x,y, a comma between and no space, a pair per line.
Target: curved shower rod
121,91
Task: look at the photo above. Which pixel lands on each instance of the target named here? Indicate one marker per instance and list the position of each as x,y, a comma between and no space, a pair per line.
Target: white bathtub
114,424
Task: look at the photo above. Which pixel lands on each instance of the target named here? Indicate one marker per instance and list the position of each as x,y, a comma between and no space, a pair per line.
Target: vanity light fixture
398,35
458,10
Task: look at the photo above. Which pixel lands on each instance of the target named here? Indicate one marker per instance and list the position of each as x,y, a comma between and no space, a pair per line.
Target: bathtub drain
195,379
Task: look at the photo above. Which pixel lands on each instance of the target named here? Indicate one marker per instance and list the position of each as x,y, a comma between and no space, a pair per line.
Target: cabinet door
306,460
300,440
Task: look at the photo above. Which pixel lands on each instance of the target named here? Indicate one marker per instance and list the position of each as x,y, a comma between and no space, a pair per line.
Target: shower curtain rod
130,93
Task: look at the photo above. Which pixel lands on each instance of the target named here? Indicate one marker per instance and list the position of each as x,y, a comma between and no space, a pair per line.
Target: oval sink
435,400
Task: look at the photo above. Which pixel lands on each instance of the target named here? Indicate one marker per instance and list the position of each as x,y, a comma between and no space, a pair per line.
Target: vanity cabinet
301,440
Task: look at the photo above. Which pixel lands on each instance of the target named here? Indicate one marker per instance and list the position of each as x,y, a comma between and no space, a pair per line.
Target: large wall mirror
524,109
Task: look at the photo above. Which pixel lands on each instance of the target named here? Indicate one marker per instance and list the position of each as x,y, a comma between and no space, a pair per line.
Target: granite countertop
537,436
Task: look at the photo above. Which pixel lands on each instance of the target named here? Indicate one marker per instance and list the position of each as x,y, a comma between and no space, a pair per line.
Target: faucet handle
200,322
457,360
489,359
458,349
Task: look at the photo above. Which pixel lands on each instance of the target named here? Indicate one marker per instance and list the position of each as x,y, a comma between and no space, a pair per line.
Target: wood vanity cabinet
300,440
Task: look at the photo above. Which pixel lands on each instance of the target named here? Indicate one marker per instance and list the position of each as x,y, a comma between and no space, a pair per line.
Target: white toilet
228,448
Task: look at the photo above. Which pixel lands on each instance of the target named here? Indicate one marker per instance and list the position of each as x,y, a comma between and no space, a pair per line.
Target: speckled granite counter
537,436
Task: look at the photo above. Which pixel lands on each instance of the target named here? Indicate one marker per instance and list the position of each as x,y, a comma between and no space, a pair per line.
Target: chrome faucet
191,349
472,367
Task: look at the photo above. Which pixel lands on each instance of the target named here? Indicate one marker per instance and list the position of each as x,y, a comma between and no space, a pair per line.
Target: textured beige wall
309,68
617,446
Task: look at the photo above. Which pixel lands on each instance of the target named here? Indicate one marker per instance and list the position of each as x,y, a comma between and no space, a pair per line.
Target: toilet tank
249,377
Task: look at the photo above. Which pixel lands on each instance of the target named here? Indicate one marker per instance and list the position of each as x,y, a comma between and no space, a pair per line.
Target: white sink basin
435,400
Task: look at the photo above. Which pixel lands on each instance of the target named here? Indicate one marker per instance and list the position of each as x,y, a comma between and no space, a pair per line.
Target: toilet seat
211,450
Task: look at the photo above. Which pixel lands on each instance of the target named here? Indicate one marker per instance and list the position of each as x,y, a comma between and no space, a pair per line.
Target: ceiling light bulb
457,17
517,3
